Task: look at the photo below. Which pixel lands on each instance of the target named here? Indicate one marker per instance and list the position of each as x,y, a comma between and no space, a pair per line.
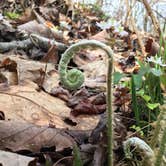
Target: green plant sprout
12,15
77,158
138,130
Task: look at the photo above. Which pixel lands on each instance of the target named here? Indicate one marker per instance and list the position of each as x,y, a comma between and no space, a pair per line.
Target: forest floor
40,119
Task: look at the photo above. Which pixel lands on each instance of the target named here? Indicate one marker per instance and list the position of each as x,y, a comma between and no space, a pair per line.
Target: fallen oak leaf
25,103
26,69
18,136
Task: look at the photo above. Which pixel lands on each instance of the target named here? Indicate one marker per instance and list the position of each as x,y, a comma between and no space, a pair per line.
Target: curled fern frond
73,79
138,146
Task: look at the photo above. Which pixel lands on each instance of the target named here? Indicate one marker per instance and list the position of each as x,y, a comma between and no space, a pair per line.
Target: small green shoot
117,77
152,106
12,15
77,159
138,130
134,101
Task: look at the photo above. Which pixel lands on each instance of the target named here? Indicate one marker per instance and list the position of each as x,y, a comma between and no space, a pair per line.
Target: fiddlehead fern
158,144
139,146
73,79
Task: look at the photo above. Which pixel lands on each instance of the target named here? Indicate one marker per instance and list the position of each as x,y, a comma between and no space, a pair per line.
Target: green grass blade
77,158
134,101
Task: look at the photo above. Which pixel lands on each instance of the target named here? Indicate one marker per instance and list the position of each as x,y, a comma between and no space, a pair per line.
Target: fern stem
160,136
162,149
134,101
156,131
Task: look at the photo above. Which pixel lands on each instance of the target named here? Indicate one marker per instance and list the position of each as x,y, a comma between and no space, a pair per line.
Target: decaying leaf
50,81
122,98
36,28
85,103
27,69
9,71
102,36
13,159
16,136
152,47
25,103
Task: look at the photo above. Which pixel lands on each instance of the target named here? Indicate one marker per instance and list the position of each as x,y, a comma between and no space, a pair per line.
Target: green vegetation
12,15
77,158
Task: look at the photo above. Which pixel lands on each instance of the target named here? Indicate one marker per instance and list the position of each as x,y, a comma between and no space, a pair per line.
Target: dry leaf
26,16
25,103
86,107
50,14
152,47
51,81
102,36
9,70
18,136
13,159
28,69
36,28
61,93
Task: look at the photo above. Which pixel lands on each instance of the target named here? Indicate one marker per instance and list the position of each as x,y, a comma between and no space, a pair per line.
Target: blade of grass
77,159
134,101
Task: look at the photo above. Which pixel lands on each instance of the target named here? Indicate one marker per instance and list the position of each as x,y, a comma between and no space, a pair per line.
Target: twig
42,42
129,9
138,36
6,46
152,16
159,14
64,158
39,41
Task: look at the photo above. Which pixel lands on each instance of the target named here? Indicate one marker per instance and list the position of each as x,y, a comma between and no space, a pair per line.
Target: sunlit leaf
156,72
152,106
117,76
146,97
138,80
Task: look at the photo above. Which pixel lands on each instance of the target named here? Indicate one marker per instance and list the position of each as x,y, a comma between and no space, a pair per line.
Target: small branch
159,14
35,40
152,16
44,42
138,36
129,8
6,46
